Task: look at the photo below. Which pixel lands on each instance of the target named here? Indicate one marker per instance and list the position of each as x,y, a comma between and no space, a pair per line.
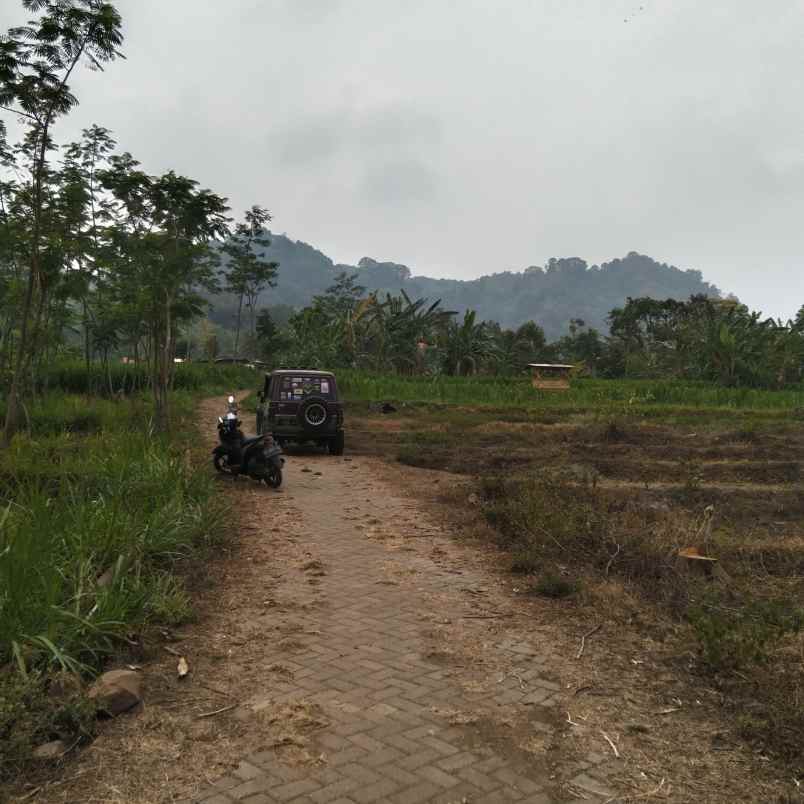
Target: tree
37,61
163,232
248,272
272,341
582,345
468,344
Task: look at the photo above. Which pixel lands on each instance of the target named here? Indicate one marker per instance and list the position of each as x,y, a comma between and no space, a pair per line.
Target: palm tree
468,345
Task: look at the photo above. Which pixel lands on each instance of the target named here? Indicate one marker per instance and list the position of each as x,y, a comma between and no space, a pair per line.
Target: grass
73,377
100,519
647,397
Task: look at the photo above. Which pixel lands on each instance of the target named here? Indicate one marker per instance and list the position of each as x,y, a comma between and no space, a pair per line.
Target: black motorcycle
258,457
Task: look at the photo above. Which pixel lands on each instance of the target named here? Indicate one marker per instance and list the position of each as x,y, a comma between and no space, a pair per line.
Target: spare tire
313,415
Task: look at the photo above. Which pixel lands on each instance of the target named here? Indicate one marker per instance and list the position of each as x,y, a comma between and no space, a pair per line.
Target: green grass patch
74,377
624,396
98,525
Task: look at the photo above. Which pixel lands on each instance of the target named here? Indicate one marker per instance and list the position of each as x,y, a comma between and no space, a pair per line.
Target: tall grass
120,505
125,378
585,393
98,518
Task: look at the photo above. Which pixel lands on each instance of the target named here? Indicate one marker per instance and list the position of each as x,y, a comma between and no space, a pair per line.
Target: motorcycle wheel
274,478
221,464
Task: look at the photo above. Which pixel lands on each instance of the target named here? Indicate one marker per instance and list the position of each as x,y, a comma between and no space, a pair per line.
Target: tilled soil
351,647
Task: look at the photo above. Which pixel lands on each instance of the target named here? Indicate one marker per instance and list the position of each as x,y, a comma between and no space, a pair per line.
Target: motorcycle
258,457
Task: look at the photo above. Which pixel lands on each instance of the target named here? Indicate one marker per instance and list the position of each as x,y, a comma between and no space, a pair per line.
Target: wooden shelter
551,376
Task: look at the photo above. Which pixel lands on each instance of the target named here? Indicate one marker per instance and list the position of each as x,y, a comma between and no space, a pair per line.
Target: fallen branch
585,637
67,751
611,560
611,743
571,721
212,689
219,711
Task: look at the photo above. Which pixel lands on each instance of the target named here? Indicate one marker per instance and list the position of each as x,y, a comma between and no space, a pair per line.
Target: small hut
550,376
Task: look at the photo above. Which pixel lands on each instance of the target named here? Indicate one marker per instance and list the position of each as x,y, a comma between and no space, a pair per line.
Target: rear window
297,387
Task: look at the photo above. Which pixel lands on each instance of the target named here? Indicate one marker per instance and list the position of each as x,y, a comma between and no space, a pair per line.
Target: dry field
590,512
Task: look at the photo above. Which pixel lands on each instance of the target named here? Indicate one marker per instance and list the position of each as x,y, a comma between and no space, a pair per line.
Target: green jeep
302,406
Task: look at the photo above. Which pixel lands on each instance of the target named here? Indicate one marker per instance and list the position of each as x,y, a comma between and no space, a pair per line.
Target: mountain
564,289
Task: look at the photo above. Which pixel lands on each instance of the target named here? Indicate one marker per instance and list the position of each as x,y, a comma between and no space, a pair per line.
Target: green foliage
730,638
608,397
546,517
554,586
74,377
703,338
248,271
121,505
32,714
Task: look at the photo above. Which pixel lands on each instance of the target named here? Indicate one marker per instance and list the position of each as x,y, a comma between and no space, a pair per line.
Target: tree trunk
13,402
163,360
237,329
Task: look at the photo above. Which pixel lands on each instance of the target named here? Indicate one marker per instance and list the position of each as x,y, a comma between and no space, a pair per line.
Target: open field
645,397
590,504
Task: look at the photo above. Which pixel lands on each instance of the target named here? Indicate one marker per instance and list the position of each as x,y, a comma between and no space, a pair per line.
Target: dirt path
372,647
350,648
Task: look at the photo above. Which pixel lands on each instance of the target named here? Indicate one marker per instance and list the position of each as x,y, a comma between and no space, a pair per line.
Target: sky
463,138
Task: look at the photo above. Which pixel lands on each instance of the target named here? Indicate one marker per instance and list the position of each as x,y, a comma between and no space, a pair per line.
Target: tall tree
164,256
37,61
249,272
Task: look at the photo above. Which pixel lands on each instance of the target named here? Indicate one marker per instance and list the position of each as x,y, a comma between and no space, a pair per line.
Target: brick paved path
400,698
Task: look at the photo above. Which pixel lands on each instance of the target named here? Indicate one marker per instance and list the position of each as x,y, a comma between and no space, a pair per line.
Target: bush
732,637
554,586
32,714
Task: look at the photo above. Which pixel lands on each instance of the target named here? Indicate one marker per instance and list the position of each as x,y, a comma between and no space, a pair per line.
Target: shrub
732,637
554,586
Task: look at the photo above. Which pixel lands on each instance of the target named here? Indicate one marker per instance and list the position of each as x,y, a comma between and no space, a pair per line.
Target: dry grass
605,505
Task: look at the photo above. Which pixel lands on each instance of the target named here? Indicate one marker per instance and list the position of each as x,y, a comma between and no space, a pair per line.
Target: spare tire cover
313,414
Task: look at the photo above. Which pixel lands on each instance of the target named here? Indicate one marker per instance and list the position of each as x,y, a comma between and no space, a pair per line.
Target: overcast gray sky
464,137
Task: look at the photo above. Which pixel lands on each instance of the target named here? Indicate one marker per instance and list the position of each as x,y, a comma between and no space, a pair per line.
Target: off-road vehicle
303,407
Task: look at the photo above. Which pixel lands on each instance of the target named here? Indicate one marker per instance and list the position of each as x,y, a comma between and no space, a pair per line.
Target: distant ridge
564,289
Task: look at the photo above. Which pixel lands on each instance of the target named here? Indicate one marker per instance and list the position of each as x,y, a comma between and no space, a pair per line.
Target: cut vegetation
676,521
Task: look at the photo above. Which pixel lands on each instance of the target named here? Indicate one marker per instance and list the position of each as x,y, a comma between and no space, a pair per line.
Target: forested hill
551,296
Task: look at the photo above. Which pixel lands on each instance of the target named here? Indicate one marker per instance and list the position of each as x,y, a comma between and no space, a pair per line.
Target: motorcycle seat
248,440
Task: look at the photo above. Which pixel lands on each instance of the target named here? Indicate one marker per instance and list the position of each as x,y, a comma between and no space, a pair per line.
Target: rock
106,578
473,499
117,691
49,751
